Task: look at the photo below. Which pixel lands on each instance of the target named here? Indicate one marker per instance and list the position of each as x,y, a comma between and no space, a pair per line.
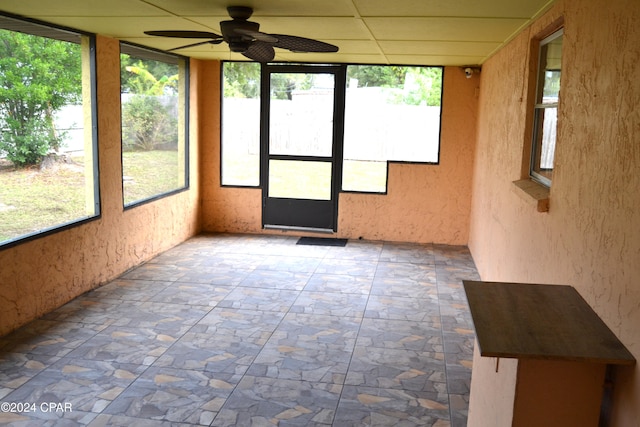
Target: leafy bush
147,123
28,142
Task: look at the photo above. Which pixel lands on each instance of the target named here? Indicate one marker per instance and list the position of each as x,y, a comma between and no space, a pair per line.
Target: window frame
47,30
159,55
539,108
389,162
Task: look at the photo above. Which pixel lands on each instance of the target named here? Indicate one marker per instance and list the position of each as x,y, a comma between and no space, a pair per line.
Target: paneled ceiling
425,32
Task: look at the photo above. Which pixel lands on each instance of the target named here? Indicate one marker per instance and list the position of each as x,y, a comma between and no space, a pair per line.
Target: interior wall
228,209
425,203
40,275
590,238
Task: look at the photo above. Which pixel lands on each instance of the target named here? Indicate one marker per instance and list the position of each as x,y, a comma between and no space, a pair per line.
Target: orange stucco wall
425,203
590,238
225,209
42,274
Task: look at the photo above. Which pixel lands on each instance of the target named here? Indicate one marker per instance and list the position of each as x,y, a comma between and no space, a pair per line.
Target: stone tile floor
242,330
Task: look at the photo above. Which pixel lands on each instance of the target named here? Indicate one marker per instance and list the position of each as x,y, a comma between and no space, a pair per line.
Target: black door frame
305,214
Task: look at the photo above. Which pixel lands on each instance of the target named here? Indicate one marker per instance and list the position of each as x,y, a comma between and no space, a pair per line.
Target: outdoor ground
35,198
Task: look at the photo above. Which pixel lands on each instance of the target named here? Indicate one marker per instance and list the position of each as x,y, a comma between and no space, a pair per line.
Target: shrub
147,123
27,143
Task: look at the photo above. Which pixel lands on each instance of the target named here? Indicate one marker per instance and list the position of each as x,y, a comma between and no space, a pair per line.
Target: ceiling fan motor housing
238,42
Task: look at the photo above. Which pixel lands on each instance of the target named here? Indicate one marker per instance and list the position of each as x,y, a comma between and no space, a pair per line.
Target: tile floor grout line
355,343
444,352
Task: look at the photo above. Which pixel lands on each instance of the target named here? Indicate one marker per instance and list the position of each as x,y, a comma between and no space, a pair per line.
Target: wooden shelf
527,321
533,192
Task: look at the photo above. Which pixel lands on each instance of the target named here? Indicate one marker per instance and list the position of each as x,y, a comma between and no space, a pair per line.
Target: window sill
533,192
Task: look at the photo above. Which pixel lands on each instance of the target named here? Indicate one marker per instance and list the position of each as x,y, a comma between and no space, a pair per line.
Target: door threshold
294,228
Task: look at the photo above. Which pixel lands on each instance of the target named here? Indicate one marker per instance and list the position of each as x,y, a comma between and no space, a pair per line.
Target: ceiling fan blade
302,44
185,34
260,52
256,35
196,44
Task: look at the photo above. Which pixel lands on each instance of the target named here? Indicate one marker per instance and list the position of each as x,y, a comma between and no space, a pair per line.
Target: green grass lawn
149,173
240,168
32,200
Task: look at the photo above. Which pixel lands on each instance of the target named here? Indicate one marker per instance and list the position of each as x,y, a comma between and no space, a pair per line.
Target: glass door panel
301,114
296,179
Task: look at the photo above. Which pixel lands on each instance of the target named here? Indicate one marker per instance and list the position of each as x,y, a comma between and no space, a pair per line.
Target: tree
242,80
423,85
284,84
377,75
148,76
38,76
148,119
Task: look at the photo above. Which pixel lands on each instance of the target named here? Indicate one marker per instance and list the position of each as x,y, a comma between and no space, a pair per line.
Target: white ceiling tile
127,27
438,47
443,8
330,28
362,47
451,29
61,8
434,60
366,31
332,58
260,8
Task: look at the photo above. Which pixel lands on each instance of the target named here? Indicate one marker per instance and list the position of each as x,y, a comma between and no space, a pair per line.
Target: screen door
300,147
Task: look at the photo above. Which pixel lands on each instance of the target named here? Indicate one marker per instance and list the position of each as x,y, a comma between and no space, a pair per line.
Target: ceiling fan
244,36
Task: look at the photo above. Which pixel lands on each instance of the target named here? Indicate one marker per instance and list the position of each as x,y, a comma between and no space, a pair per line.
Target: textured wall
42,274
425,203
224,209
591,236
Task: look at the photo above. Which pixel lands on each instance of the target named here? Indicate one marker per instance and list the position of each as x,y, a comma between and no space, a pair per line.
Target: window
48,156
545,111
154,93
392,113
240,148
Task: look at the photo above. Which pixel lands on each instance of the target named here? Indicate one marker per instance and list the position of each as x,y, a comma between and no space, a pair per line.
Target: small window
392,113
48,156
545,111
240,148
154,94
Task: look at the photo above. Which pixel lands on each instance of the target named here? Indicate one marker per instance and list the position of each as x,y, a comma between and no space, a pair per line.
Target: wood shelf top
516,320
532,191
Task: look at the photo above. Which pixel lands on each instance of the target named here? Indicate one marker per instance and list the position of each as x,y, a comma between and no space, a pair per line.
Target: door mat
321,241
